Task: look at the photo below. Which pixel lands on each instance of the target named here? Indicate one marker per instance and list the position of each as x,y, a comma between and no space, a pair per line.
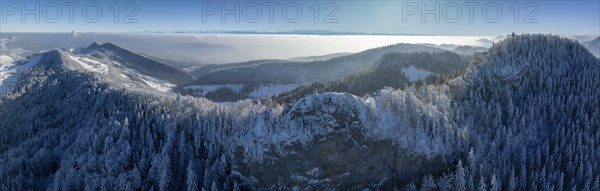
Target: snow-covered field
89,64
414,74
154,83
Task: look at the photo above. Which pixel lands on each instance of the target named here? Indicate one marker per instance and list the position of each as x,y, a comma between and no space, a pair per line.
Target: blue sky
384,16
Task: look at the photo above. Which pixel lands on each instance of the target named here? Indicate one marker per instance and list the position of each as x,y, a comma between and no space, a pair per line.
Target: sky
364,16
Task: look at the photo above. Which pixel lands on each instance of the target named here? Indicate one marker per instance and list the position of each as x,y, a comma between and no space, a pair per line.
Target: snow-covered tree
459,178
495,185
428,183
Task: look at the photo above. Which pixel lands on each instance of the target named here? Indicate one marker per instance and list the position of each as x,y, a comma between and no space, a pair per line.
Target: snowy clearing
89,64
414,74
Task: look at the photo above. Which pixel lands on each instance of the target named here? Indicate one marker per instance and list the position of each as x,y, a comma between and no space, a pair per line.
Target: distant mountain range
593,46
300,32
321,57
320,69
270,71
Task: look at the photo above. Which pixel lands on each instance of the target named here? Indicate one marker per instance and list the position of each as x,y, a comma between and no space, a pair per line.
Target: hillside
392,70
593,46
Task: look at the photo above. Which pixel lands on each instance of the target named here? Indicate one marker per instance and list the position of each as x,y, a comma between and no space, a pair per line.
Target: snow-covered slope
7,48
90,64
5,59
8,55
118,72
132,61
10,71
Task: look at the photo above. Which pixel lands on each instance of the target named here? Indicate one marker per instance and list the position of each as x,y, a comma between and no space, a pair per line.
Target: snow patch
4,59
315,172
153,83
125,76
158,85
414,74
90,64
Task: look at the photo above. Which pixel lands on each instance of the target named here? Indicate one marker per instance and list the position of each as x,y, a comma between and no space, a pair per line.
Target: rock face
346,161
343,157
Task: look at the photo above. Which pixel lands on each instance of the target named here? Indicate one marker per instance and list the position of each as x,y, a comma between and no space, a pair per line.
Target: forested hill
394,70
531,107
523,117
